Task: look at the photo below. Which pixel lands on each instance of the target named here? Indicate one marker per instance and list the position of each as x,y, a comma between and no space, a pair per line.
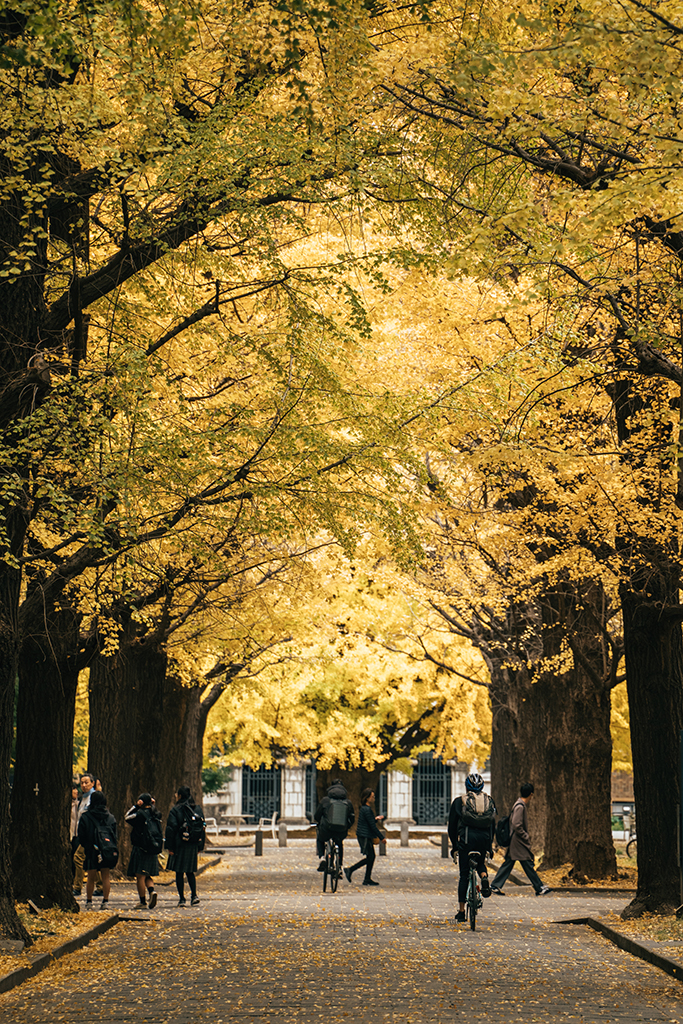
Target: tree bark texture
171,766
517,744
10,582
354,781
578,741
654,672
41,795
126,723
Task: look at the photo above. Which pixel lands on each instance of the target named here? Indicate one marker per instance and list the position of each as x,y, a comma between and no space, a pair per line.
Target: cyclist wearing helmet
470,828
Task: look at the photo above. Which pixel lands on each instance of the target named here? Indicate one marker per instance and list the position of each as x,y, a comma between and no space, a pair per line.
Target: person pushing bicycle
470,829
335,816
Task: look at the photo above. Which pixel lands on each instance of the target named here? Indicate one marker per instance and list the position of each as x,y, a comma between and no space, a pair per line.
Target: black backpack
105,847
337,814
148,834
194,827
503,832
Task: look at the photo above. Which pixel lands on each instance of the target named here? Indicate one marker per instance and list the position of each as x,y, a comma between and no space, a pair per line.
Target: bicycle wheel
632,847
326,872
336,868
471,901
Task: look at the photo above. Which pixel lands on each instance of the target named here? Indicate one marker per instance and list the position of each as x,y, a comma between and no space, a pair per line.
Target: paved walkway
266,945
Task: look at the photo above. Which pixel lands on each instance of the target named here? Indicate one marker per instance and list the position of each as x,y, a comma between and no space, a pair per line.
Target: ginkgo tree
346,693
577,111
178,149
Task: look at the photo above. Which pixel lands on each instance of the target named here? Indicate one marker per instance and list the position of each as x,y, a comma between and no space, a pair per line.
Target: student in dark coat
366,831
183,854
96,816
143,865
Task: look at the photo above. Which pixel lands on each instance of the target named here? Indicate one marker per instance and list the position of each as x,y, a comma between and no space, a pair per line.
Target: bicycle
473,899
632,847
332,865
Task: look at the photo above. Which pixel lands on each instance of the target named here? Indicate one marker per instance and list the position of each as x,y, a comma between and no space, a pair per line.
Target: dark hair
366,794
146,799
98,799
184,794
88,775
526,789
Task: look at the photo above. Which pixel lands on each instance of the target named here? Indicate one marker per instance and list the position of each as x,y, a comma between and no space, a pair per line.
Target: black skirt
142,863
184,859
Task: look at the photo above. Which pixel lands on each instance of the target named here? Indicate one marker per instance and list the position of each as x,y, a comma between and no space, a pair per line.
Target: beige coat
520,843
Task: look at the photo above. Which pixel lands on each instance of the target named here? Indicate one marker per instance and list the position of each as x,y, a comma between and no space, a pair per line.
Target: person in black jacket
95,817
470,828
143,864
335,803
183,854
366,830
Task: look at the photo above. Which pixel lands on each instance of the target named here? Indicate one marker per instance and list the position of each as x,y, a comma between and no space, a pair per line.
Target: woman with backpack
184,839
148,842
97,836
367,832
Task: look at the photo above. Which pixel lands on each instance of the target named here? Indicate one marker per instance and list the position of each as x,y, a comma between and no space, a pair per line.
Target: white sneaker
544,890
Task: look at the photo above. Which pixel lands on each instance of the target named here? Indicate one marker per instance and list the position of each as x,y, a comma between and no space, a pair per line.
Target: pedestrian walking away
520,846
97,836
367,834
185,837
470,830
334,816
147,840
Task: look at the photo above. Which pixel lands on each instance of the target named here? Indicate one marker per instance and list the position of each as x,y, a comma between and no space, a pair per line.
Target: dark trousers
505,870
321,837
366,847
464,851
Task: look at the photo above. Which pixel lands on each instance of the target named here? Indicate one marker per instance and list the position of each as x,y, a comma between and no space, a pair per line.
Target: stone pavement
266,945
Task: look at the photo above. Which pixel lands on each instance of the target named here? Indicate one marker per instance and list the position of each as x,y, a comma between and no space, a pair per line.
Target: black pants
464,850
366,847
321,837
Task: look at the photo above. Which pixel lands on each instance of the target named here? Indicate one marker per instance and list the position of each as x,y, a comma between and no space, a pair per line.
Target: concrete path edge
14,978
629,946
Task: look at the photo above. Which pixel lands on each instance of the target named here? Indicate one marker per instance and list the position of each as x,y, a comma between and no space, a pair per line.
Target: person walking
470,829
367,831
73,831
97,836
147,840
184,843
520,846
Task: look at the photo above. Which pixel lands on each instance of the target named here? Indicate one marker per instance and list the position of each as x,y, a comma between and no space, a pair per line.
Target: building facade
288,791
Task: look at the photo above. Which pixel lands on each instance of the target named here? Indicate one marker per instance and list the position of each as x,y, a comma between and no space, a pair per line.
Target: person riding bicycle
470,829
335,816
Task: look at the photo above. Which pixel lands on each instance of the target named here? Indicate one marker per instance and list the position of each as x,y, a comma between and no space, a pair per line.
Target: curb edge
14,978
670,967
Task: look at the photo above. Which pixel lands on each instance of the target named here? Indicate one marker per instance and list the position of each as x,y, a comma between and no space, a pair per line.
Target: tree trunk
126,723
578,777
41,795
354,781
10,582
171,768
517,744
578,741
195,726
654,671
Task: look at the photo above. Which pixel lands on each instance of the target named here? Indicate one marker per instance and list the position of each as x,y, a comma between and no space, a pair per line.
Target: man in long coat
520,847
